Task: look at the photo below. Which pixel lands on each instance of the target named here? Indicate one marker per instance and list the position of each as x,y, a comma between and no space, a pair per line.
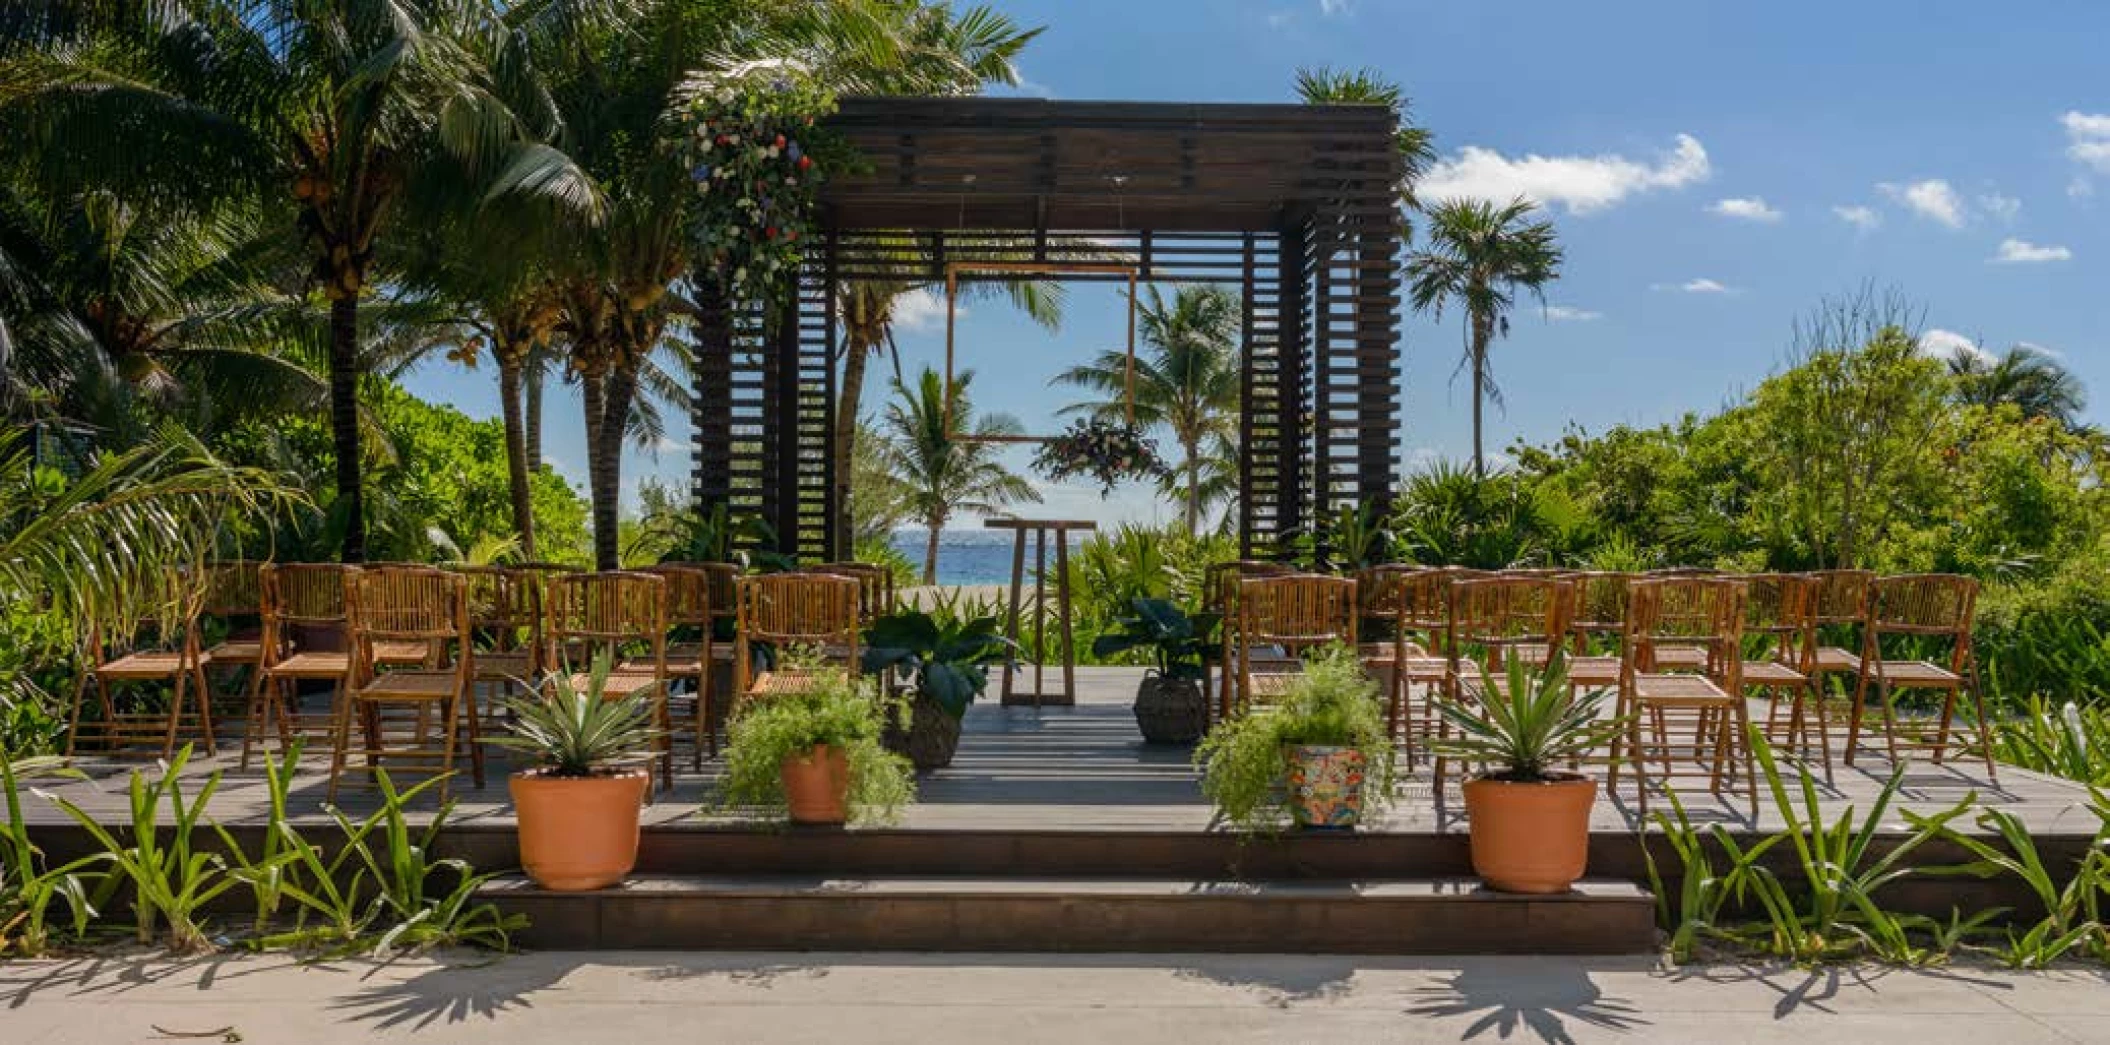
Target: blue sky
1714,169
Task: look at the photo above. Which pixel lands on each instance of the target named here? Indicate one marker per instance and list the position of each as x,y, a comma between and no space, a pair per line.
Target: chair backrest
590,612
1220,582
1297,611
233,589
307,593
504,605
1840,596
1492,618
688,595
875,586
1924,605
1380,590
1683,571
162,614
1685,611
545,568
1600,604
724,577
408,604
800,609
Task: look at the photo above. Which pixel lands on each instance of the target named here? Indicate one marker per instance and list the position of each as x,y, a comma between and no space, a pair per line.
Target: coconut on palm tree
940,451
1479,255
1186,381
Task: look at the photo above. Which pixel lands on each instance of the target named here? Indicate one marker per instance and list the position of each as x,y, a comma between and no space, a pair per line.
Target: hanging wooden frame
953,271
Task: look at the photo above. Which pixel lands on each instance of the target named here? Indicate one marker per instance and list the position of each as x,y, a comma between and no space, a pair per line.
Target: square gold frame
1045,268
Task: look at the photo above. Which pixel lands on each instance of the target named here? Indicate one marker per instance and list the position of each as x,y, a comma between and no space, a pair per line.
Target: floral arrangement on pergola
757,158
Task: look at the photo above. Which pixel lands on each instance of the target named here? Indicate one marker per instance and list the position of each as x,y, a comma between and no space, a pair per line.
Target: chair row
409,642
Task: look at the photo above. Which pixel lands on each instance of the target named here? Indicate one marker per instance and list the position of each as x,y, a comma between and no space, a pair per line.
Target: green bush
836,711
1333,703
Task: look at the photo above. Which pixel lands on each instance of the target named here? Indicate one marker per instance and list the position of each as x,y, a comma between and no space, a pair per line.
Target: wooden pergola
1296,205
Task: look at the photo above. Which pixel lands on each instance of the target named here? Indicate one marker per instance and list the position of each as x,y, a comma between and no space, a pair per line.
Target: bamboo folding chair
787,610
875,587
1838,610
306,639
1597,626
1923,608
1691,612
234,601
431,706
1778,609
689,609
715,648
1220,596
1410,600
162,647
624,616
1280,618
505,622
1493,620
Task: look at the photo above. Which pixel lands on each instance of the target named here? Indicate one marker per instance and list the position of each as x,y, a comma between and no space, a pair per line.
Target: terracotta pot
578,833
1530,837
817,785
1325,787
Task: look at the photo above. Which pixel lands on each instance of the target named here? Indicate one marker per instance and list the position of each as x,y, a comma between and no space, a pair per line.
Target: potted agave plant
1170,705
1530,819
578,804
1322,752
947,663
816,755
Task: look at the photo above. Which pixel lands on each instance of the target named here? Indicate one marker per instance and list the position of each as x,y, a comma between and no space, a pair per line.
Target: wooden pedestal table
1039,530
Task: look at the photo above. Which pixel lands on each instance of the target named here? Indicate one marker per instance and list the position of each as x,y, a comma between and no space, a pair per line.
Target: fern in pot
578,803
1170,706
1321,755
947,663
1529,815
816,755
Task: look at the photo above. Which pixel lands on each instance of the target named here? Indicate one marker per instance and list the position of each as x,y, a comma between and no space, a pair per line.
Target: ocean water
973,556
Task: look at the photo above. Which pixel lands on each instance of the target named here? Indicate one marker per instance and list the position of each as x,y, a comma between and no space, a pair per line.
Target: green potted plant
1322,754
1530,819
1170,705
815,755
578,803
947,663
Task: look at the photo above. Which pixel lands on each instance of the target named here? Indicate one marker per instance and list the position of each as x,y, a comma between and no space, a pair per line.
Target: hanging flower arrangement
1106,451
755,155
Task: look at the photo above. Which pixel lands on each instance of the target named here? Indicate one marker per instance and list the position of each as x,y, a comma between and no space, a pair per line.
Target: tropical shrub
1332,703
837,711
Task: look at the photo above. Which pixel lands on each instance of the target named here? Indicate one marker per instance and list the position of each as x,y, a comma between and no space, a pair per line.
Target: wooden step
1308,916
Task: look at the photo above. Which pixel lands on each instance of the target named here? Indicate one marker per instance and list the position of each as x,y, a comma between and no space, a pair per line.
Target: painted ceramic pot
1325,787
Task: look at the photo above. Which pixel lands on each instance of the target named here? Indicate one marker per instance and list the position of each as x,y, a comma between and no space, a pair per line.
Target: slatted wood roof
1012,163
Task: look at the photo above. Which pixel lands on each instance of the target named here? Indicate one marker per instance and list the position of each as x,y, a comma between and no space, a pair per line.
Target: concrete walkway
643,999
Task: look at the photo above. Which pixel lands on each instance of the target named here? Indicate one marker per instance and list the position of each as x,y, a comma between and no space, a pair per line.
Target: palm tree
1417,147
333,109
944,470
1187,381
867,310
1480,254
2027,377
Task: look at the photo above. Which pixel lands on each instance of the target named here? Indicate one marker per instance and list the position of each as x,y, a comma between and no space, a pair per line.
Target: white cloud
1278,19
2088,139
1329,8
1581,183
1696,286
1948,344
1571,314
1864,218
2002,207
920,310
1932,199
1747,208
2079,187
2022,252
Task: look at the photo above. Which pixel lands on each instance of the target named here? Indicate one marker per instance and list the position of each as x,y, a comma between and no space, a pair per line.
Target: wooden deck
1085,769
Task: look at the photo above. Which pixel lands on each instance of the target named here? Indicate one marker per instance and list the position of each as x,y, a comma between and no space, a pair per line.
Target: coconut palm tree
1479,254
2025,376
948,470
332,109
1186,380
1417,147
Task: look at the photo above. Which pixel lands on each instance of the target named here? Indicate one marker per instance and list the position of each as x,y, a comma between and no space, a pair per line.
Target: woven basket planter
1170,710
